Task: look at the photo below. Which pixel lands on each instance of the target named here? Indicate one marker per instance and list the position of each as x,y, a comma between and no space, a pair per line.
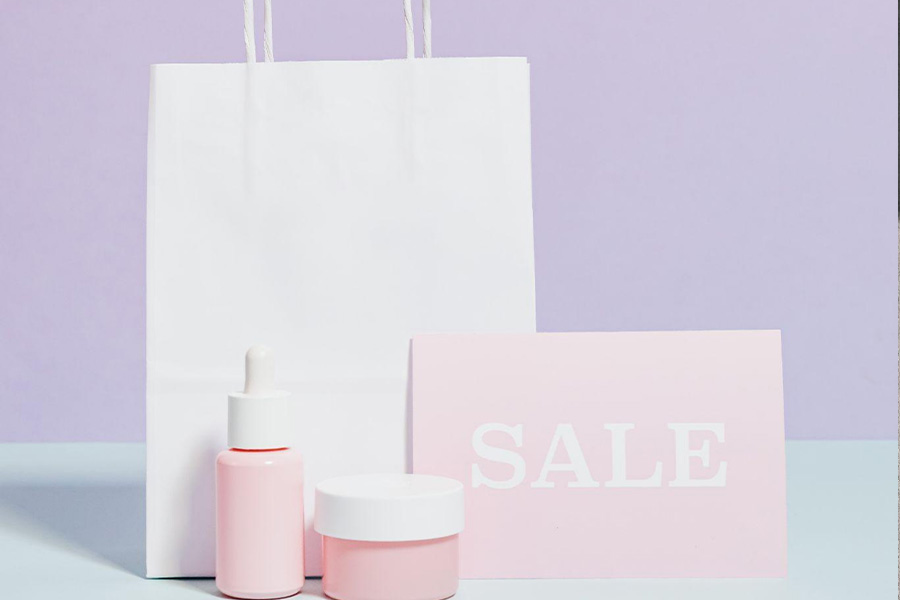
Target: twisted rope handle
268,47
250,27
426,26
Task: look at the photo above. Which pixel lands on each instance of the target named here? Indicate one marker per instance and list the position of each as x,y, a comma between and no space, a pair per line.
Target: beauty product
390,537
259,491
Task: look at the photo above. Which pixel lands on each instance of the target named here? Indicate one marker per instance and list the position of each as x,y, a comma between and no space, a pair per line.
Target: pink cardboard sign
652,454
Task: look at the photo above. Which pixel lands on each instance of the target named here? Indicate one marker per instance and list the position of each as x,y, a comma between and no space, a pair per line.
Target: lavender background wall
697,164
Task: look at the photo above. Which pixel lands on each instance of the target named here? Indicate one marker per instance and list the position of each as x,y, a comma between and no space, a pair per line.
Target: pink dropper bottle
259,491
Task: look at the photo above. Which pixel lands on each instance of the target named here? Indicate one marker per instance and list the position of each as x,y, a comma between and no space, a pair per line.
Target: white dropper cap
259,417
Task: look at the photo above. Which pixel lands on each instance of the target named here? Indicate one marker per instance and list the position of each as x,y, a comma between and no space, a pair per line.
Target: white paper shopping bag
330,210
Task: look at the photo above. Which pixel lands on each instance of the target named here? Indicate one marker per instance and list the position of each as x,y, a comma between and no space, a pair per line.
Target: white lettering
577,464
619,476
683,455
509,457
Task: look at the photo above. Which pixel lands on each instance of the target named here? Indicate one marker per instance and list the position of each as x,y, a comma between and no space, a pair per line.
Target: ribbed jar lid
389,507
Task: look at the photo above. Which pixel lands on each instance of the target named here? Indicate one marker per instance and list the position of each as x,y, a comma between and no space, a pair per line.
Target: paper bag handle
250,40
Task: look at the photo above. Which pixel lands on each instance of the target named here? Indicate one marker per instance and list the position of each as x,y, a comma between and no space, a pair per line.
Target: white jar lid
389,507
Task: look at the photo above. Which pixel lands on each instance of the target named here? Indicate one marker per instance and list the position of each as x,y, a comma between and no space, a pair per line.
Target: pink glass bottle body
414,570
259,523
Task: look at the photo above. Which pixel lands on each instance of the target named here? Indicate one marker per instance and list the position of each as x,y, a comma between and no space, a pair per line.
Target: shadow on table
104,520
312,588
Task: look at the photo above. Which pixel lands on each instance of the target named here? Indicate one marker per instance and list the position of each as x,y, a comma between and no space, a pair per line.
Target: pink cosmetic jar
390,537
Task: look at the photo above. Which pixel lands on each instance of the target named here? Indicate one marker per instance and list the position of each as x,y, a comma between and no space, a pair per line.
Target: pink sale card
650,454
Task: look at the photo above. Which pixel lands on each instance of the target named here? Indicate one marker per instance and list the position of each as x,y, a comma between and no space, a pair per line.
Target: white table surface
72,526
